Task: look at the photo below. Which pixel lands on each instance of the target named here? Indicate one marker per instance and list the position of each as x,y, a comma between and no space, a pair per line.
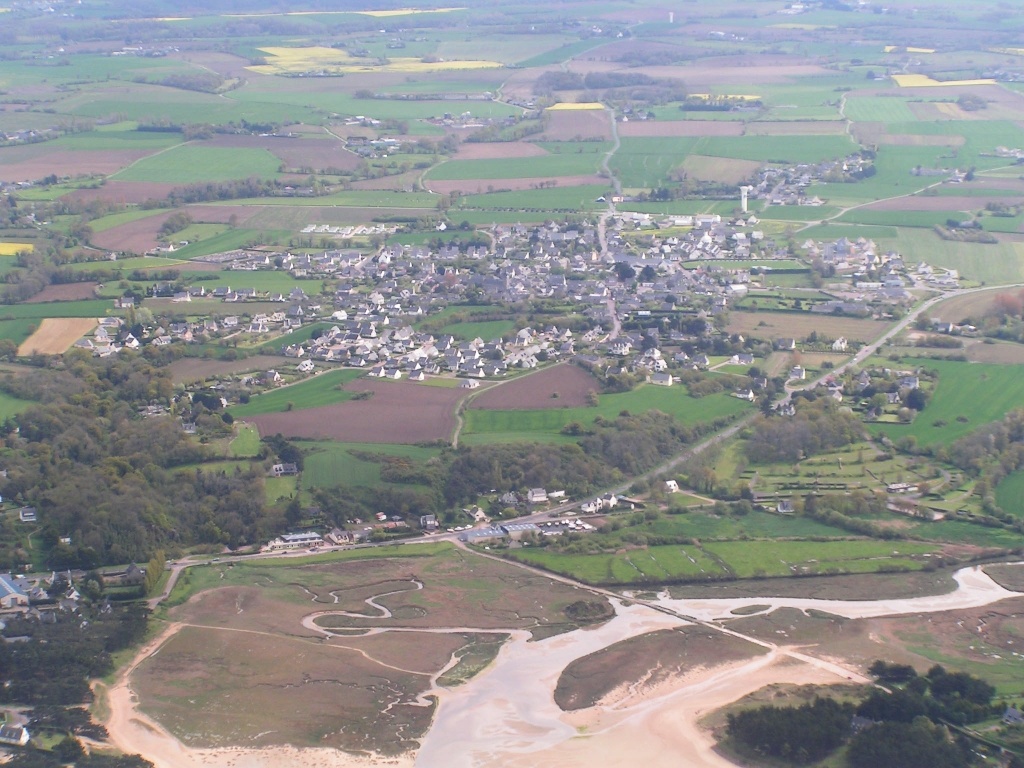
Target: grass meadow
332,465
191,164
546,424
322,389
967,396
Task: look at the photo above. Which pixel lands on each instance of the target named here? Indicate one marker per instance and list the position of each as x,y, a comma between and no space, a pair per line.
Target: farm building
295,541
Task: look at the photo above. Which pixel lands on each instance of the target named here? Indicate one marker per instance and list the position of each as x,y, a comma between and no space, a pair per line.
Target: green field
547,423
246,443
546,166
878,109
791,558
1010,494
583,198
740,559
192,164
646,162
967,396
11,406
332,465
321,389
488,331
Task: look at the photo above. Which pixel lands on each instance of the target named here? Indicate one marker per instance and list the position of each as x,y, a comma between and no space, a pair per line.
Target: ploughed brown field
573,124
572,384
296,153
492,150
191,369
141,235
397,412
26,166
64,292
126,192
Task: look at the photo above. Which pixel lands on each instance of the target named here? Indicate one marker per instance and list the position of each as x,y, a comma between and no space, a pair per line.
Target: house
590,507
428,522
671,486
284,470
27,514
797,372
662,379
470,384
11,593
784,507
839,345
1013,716
15,735
306,366
537,496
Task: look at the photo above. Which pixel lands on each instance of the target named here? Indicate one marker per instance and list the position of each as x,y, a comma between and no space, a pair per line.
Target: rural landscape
511,384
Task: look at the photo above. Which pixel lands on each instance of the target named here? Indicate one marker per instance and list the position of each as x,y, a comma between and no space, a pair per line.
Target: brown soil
798,326
581,124
479,186
571,383
64,292
625,668
680,128
1007,575
29,167
951,203
498,149
919,140
296,153
189,369
125,192
806,128
400,183
398,412
142,235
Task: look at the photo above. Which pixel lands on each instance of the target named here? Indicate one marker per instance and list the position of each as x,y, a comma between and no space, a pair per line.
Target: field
334,465
13,249
56,335
967,396
798,325
730,559
194,163
546,424
396,412
571,384
323,389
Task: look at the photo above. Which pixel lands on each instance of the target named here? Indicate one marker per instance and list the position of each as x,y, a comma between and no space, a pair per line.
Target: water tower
743,197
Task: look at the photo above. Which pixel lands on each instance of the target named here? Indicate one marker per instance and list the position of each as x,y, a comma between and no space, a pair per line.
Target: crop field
646,162
191,164
396,412
283,61
996,263
13,249
560,386
720,169
322,389
546,424
878,109
55,335
333,465
967,396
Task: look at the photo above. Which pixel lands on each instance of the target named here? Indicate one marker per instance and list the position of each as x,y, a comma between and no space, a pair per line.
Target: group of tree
817,426
111,480
903,724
